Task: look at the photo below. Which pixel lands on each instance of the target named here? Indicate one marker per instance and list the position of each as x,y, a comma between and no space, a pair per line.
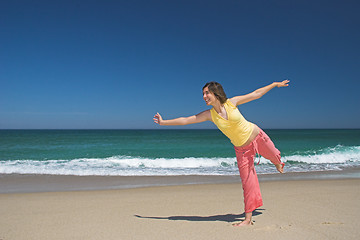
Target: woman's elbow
257,95
184,121
188,120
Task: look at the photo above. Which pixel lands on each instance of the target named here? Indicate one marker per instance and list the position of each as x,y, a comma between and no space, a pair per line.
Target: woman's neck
218,106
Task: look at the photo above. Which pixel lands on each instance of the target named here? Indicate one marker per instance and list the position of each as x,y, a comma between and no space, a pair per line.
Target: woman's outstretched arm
238,100
198,118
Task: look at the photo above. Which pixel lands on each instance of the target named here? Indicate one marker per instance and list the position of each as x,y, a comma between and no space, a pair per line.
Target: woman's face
208,96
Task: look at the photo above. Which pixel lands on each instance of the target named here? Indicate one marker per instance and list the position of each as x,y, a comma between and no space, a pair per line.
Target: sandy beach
293,209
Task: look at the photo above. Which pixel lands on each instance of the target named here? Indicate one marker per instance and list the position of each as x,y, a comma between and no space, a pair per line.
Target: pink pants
263,146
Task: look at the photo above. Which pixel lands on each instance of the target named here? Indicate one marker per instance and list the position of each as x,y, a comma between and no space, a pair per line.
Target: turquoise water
166,152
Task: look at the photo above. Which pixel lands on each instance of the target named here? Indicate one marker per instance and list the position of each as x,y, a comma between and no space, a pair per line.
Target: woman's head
216,89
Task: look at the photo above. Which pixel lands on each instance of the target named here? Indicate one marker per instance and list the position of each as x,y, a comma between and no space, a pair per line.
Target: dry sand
301,209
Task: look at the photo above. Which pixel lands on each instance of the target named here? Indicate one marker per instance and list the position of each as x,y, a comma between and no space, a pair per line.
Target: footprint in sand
273,228
331,223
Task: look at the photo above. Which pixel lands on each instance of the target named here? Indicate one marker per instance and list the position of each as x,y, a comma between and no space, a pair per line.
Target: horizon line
345,128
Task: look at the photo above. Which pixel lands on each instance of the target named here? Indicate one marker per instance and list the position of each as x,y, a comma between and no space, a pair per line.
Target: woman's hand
157,118
283,83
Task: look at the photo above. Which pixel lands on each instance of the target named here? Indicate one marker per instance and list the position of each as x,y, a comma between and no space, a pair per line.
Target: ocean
167,152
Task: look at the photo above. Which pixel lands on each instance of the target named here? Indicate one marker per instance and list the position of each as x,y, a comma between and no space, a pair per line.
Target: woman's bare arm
198,118
238,100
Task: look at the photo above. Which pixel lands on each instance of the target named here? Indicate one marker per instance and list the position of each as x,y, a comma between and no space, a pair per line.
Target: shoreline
30,183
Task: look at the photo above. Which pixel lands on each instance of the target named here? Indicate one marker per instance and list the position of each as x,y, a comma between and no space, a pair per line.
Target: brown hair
217,90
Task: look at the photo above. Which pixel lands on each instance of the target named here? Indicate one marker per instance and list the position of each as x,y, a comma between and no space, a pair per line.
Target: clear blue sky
114,64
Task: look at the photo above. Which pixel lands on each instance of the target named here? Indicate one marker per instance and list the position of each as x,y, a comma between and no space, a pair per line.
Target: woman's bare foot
280,167
243,223
246,222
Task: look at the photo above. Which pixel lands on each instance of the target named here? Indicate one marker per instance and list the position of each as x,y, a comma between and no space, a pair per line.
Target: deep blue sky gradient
114,64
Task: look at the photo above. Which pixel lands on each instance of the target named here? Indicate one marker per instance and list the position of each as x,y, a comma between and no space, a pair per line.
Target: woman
247,138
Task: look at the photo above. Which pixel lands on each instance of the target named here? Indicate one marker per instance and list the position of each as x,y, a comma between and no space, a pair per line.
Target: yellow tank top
236,128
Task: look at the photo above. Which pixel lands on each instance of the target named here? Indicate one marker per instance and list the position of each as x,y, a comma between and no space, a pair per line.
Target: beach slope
302,209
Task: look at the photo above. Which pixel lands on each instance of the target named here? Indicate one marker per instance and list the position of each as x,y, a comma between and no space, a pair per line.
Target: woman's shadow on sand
223,218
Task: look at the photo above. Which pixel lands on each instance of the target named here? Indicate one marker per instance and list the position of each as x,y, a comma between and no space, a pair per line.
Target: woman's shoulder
231,102
206,115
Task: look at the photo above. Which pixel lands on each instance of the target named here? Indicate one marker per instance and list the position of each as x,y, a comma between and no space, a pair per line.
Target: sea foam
334,158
